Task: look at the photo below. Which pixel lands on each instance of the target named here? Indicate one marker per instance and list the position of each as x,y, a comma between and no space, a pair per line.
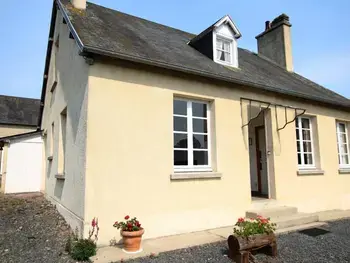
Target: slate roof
104,31
19,111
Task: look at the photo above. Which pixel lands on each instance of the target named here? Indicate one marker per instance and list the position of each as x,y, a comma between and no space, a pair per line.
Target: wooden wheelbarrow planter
241,247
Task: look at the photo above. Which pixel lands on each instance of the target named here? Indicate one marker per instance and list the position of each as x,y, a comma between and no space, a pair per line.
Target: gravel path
31,230
333,247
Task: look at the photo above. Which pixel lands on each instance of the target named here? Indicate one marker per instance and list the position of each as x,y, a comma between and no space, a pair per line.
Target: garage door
24,165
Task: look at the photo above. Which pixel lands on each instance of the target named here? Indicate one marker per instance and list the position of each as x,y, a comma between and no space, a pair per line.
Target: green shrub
83,249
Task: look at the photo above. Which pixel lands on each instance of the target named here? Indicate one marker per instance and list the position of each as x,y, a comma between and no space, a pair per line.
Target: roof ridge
17,97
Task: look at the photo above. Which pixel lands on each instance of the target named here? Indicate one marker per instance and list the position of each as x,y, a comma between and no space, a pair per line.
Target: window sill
195,175
310,172
60,176
50,158
344,170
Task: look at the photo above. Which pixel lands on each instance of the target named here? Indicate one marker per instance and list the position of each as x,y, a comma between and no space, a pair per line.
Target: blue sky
320,34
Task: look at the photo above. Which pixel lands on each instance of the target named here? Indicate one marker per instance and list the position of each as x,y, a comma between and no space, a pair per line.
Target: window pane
297,134
227,57
180,123
343,148
307,147
342,138
180,140
305,123
298,146
297,123
180,158
200,141
200,125
199,109
341,127
226,46
219,44
345,159
200,157
180,107
307,135
307,158
299,158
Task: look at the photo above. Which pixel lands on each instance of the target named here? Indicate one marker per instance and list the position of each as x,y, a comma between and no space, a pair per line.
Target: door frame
257,154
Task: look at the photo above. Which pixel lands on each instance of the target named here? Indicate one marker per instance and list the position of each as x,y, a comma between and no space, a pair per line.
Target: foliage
83,249
131,224
248,227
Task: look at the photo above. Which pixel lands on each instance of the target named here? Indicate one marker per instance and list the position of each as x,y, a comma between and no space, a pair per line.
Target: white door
262,161
24,166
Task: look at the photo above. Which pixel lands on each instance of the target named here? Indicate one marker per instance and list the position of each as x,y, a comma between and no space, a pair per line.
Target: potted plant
251,234
132,232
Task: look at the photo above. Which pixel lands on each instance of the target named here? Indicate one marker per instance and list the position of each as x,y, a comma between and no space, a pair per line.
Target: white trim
233,50
304,166
190,150
195,175
340,154
227,20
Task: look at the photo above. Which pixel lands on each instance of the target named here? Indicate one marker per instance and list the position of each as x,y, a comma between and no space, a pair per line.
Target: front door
261,160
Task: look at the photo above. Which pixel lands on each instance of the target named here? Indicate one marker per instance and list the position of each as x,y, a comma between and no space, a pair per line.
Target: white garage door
24,165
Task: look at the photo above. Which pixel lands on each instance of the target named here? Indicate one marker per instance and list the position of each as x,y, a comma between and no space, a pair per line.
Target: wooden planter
240,247
132,240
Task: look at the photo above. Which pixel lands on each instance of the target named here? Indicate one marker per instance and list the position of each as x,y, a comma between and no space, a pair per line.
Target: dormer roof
224,20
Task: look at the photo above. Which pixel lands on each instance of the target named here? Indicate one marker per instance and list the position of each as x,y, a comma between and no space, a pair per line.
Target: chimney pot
267,25
79,4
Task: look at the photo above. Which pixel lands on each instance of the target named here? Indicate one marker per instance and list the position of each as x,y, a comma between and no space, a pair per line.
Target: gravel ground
333,247
31,230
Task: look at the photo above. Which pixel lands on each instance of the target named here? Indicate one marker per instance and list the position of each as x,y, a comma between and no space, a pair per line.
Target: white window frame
225,39
233,49
301,146
339,133
190,167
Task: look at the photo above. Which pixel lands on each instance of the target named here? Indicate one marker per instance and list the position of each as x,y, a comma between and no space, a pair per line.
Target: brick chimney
275,42
80,4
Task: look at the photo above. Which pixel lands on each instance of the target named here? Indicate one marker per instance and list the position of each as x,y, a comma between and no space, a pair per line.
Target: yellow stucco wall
9,130
130,155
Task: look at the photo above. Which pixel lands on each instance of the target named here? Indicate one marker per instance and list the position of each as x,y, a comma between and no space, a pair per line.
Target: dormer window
219,42
223,50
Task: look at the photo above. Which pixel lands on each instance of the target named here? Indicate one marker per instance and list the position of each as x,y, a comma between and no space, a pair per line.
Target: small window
191,135
224,50
343,144
305,147
63,143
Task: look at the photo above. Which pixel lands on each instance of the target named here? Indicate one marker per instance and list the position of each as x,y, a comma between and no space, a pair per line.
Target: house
186,132
20,145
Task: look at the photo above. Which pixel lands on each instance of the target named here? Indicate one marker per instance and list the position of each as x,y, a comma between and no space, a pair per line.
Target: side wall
71,93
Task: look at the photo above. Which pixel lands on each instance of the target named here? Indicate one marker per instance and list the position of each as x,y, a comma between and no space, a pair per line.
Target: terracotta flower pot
132,240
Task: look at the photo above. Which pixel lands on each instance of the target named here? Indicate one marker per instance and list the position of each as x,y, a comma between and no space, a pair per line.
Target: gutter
88,49
47,62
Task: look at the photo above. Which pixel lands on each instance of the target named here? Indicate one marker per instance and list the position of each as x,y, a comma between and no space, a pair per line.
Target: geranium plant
130,224
246,227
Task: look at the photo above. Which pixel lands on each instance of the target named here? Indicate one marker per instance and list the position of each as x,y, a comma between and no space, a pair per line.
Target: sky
320,34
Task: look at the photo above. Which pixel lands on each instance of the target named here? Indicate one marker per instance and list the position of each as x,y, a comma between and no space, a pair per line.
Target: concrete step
294,220
300,227
272,212
332,215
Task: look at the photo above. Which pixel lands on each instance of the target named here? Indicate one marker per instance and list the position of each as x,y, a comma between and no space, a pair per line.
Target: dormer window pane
223,50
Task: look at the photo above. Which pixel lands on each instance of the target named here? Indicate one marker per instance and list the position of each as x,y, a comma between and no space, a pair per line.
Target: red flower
93,223
240,220
259,217
126,217
129,225
264,221
116,223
